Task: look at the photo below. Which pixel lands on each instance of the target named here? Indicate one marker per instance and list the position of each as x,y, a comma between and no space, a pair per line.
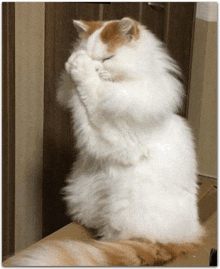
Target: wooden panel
179,30
153,19
59,152
86,11
8,128
58,141
116,11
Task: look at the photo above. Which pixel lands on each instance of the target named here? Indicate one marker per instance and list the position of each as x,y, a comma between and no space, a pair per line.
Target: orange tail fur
95,253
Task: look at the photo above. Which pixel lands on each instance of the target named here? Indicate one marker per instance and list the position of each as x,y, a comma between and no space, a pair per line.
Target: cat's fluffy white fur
136,174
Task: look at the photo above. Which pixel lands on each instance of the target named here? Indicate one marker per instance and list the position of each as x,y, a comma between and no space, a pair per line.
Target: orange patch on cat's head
114,33
87,28
118,33
93,26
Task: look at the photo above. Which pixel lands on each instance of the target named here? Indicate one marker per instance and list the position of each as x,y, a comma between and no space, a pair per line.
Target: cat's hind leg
86,199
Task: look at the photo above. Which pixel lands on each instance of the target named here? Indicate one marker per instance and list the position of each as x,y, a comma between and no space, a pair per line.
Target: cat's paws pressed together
80,66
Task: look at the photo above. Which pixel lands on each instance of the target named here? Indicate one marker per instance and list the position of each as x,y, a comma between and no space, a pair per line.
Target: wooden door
171,22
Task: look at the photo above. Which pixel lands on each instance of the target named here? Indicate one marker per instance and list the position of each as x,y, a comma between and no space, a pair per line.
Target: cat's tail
96,253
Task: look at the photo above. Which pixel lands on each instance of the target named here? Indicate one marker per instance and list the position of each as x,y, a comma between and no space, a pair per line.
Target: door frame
8,129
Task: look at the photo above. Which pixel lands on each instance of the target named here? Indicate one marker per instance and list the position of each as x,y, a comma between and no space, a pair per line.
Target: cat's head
112,43
108,36
127,50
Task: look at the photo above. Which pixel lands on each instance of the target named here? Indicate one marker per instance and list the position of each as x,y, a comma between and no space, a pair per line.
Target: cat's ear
80,26
127,27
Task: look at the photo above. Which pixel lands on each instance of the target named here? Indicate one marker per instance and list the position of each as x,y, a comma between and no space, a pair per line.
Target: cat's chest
124,132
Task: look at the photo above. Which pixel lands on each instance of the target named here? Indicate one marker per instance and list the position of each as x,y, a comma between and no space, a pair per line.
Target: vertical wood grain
118,10
8,128
179,32
58,140
154,20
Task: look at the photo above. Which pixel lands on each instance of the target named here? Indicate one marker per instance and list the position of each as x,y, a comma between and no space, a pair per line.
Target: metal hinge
158,6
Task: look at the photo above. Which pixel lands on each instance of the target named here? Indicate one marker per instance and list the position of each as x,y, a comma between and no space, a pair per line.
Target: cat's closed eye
108,58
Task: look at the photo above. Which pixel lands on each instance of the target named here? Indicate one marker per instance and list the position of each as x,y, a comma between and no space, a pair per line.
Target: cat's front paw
80,66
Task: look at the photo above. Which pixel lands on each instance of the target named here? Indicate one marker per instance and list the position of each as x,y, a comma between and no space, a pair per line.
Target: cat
135,179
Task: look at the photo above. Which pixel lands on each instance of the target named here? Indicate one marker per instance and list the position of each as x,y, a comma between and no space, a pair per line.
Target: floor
207,197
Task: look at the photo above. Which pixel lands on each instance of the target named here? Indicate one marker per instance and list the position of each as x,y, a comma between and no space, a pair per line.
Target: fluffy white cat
136,172
135,180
